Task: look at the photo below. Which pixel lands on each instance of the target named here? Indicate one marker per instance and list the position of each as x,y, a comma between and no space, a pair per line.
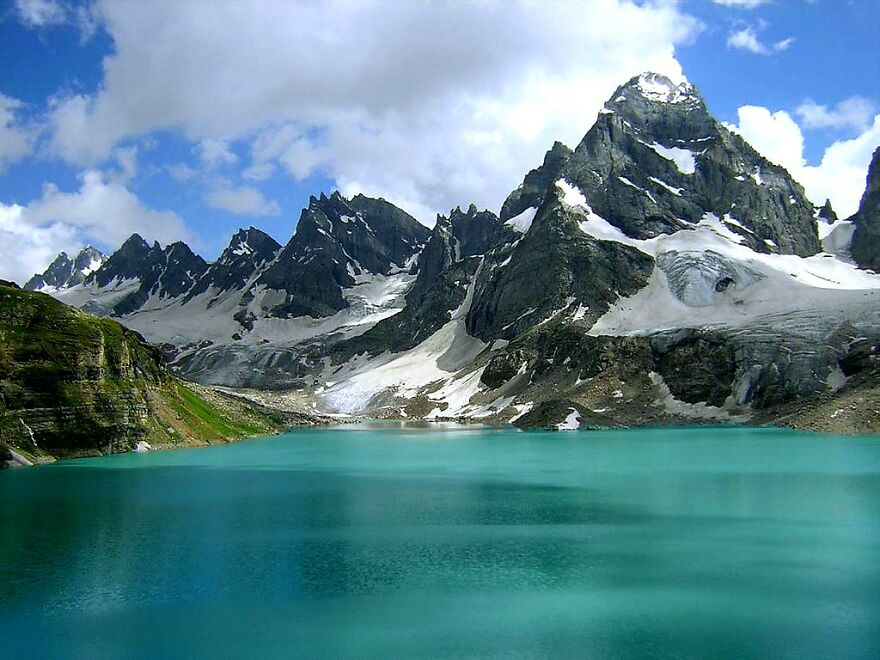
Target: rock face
161,273
554,268
64,272
336,241
866,237
656,162
531,192
447,266
69,380
827,213
248,252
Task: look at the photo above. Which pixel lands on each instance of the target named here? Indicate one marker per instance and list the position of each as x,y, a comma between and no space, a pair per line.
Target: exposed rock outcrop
866,237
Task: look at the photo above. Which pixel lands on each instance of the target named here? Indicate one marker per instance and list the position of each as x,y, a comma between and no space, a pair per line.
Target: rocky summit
65,272
661,271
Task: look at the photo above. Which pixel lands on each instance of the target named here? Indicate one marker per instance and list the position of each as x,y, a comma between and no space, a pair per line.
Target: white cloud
16,140
784,44
215,153
126,158
855,112
382,96
742,4
102,210
839,176
245,200
746,38
26,249
41,13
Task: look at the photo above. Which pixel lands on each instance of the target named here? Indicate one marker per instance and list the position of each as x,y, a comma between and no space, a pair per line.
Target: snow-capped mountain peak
65,272
659,88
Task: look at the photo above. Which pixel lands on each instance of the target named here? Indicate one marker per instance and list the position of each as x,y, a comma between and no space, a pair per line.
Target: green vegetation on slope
74,384
212,417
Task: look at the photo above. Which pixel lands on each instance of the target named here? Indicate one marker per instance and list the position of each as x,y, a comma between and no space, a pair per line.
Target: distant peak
134,241
658,88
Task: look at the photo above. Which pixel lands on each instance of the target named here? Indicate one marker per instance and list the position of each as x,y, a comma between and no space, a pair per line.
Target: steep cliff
75,384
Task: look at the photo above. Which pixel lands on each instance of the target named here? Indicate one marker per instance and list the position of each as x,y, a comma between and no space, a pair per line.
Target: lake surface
458,542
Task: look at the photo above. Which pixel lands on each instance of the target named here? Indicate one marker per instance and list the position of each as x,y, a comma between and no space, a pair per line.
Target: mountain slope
336,242
74,384
666,272
656,161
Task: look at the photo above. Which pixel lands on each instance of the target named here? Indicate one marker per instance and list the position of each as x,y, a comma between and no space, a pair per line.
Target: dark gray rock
657,161
447,266
554,267
65,272
249,251
531,192
335,241
697,366
866,237
165,273
826,213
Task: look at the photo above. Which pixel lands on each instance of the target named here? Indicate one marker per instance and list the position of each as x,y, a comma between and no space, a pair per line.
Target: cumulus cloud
746,38
103,210
25,248
16,140
245,200
855,112
840,174
381,98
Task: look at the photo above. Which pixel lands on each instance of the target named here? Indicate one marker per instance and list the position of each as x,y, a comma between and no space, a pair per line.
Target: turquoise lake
406,542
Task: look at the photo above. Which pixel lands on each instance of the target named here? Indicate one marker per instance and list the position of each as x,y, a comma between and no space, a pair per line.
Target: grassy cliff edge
72,384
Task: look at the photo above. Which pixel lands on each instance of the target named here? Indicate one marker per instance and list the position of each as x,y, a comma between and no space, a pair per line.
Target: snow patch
684,159
571,423
571,195
656,87
663,184
522,222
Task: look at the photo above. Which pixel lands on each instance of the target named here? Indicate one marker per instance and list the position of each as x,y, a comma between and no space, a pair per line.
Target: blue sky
188,120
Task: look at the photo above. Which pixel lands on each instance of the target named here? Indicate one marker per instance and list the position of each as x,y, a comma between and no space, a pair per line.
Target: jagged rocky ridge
65,272
663,253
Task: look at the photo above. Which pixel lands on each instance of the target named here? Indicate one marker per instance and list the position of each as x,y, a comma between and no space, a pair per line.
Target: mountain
446,266
64,272
660,271
866,221
337,242
654,164
249,251
74,384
